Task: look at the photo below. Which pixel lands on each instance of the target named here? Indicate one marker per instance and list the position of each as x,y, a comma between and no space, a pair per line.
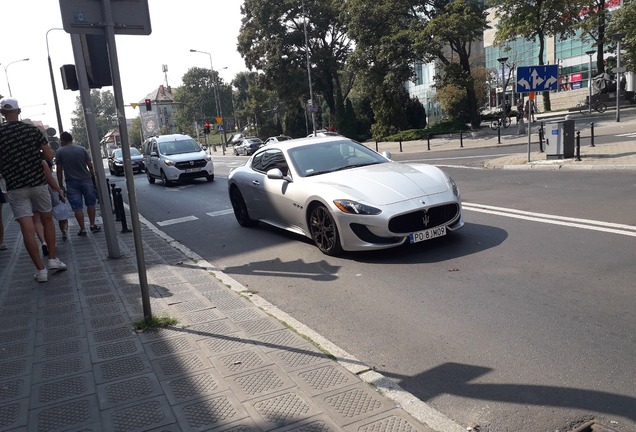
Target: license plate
190,170
428,234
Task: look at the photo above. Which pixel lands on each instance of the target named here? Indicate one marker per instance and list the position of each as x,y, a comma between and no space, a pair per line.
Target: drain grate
593,426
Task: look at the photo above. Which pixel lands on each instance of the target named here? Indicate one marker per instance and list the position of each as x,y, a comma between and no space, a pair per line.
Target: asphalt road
522,321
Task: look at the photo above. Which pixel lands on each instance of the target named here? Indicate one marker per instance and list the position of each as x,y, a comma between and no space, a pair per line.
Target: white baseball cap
9,104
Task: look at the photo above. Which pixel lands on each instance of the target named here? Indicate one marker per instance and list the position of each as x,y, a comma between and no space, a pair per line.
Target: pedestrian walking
75,166
21,149
60,210
3,200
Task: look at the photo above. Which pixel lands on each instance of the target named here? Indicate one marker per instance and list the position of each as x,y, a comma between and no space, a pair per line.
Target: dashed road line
177,220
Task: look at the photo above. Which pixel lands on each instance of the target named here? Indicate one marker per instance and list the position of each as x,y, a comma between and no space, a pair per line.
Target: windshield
179,147
117,154
321,158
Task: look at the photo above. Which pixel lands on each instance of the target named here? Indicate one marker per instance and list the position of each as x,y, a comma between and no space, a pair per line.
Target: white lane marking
608,227
220,213
631,134
177,220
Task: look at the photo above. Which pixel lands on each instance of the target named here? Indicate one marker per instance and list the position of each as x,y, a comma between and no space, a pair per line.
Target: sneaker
95,228
56,264
45,250
82,233
41,276
3,246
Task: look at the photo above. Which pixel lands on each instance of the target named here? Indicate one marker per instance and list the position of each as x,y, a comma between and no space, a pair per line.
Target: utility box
559,139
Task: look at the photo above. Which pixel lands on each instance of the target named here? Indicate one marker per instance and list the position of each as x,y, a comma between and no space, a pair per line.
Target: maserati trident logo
191,163
426,219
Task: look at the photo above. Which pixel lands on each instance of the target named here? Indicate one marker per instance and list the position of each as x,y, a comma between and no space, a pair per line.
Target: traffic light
148,105
206,130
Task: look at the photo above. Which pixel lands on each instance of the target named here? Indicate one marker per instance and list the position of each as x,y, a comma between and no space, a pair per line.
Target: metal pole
311,92
592,134
130,178
578,145
589,81
618,75
55,101
7,75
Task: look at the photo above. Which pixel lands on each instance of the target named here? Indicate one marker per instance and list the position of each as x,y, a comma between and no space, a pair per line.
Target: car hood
136,158
184,157
386,183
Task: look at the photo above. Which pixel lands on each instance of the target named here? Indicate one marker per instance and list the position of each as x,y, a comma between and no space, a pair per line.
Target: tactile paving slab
193,386
64,416
283,409
350,404
122,368
142,416
259,382
174,365
61,390
128,391
209,413
323,378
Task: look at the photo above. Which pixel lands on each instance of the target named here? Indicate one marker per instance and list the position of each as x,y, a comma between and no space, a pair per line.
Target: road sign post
537,78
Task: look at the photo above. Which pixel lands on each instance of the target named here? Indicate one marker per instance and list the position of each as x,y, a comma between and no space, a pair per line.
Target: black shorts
3,200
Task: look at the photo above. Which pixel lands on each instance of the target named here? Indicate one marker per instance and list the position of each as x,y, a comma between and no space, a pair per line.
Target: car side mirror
386,154
277,174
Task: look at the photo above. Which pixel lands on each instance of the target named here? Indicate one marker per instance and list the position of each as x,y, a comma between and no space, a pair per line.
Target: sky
177,26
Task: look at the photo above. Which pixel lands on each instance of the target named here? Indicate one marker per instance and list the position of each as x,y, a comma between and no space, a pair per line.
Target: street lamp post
311,92
503,60
7,75
216,97
618,37
55,101
589,80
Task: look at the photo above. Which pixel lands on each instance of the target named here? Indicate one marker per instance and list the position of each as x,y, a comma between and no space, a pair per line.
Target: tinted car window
270,159
178,147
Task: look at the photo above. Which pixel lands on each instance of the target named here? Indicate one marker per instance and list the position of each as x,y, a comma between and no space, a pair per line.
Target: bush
439,128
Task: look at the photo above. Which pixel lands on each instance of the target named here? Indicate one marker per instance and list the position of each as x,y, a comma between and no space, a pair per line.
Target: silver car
174,158
343,195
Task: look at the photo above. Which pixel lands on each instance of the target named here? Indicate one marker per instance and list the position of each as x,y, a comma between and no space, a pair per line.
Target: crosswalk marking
177,220
630,135
220,213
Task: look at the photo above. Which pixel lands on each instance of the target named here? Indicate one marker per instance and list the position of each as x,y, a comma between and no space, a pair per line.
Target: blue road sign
219,128
537,78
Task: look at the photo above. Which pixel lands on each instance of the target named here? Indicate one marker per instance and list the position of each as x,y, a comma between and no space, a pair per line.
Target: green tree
134,133
391,35
272,40
624,21
105,116
535,20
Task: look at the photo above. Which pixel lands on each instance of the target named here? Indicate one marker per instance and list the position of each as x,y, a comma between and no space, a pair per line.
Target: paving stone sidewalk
70,359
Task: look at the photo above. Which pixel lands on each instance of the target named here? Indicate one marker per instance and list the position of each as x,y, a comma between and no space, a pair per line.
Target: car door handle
256,182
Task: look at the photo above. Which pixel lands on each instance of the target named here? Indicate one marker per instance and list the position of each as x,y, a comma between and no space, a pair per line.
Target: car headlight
119,162
453,186
208,158
354,207
169,162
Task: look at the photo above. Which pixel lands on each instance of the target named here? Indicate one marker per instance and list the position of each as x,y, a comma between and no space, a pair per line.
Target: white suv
174,158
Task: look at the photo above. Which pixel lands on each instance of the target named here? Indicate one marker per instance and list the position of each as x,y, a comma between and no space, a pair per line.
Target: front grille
412,222
191,164
193,175
364,234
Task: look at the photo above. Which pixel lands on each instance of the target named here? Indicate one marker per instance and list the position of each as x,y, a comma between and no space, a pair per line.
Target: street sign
621,69
219,128
537,78
130,17
219,120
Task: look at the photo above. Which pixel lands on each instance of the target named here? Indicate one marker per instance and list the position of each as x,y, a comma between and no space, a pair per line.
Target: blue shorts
80,192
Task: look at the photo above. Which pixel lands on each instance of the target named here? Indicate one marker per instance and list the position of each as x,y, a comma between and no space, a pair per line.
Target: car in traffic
116,161
247,146
343,195
235,139
175,158
323,133
276,139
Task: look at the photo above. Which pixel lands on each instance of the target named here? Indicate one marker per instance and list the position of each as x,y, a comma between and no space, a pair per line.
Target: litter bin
559,139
